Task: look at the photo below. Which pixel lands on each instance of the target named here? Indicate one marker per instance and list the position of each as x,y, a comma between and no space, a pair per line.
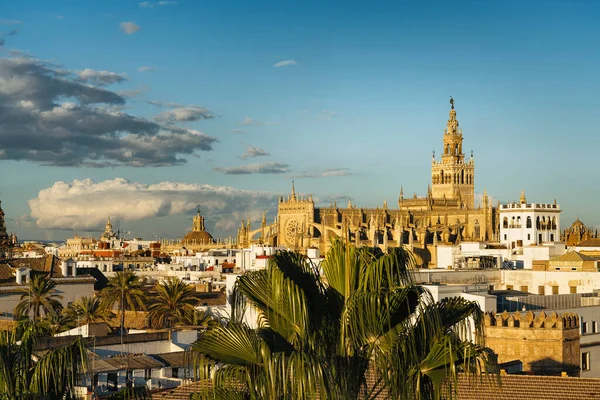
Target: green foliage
126,290
26,374
39,296
323,334
174,304
132,393
87,310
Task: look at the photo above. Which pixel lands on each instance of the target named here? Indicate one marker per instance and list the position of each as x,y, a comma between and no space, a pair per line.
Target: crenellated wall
546,344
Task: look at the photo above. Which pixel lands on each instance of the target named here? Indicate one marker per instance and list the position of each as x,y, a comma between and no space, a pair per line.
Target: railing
551,302
528,205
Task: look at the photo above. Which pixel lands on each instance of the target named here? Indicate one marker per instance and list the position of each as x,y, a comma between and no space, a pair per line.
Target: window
594,326
552,237
584,327
505,223
585,361
477,229
541,290
509,287
554,289
525,288
505,236
529,222
573,289
529,236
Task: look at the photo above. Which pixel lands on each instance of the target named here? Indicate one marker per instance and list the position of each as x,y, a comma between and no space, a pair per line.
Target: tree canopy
352,328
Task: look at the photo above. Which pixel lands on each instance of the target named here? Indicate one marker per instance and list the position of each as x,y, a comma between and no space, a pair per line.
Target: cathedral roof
198,235
595,242
577,226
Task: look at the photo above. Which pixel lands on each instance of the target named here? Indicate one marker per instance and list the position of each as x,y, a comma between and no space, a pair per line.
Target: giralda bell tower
452,177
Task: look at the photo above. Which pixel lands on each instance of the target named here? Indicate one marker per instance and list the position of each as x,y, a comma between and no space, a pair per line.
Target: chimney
20,273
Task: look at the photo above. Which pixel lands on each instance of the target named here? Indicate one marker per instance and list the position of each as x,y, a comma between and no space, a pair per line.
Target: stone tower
108,231
296,214
3,234
198,222
453,177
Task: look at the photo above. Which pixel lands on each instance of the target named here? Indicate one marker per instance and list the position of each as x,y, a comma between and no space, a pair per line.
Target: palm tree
39,295
126,290
87,310
25,374
174,304
325,333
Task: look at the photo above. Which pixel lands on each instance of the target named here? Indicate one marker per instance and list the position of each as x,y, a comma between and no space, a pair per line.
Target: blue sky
355,112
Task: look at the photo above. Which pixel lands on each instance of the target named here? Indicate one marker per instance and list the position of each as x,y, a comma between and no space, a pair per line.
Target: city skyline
168,104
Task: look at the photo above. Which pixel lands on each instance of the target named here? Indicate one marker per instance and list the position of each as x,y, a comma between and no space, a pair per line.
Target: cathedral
447,214
7,242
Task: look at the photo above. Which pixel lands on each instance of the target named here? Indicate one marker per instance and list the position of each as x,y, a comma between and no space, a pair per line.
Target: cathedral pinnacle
293,191
523,200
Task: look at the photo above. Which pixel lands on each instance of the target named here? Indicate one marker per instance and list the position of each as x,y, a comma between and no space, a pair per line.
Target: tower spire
293,191
523,199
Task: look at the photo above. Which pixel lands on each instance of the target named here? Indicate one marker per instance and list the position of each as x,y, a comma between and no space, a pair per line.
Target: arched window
477,229
448,149
462,176
505,223
537,223
553,223
543,223
529,222
518,222
442,176
456,149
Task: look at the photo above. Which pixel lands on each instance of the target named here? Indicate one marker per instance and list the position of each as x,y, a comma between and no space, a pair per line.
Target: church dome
198,235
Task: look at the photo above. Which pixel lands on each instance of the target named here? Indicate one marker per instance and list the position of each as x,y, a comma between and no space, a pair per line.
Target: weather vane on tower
452,102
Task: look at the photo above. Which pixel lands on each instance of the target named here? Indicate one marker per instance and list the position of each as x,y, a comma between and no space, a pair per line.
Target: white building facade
525,224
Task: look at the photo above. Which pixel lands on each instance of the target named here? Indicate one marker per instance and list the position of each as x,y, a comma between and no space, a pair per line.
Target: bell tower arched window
528,222
505,223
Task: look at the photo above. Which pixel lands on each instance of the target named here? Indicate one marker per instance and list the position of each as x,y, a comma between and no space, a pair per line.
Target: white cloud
133,92
252,152
66,205
327,115
252,121
182,112
101,77
266,168
285,63
147,69
149,4
194,113
326,173
50,116
129,27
